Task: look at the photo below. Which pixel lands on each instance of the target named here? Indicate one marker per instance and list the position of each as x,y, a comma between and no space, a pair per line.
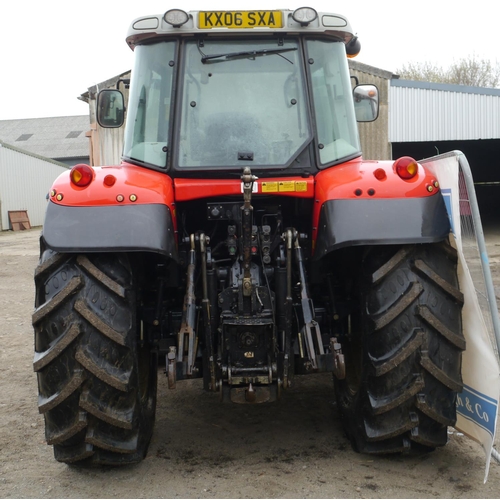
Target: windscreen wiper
246,53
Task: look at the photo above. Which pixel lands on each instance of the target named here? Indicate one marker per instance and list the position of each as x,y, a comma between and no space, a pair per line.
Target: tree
469,70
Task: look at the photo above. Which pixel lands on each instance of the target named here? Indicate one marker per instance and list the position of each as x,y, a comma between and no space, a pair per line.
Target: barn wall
423,111
25,180
374,135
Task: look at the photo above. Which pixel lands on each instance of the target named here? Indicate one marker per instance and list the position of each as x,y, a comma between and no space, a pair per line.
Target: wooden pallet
19,220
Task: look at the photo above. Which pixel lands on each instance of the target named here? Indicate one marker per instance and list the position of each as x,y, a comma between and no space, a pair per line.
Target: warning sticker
269,187
301,186
283,186
286,186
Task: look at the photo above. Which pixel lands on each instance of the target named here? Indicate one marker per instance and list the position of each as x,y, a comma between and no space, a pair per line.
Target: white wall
424,112
25,180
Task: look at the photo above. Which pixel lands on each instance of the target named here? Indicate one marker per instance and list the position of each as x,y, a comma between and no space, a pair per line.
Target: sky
52,51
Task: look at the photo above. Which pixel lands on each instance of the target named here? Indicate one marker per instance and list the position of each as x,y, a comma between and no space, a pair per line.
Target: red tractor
244,238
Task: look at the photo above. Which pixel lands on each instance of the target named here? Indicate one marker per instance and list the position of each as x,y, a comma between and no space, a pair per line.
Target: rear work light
176,17
81,175
304,15
406,167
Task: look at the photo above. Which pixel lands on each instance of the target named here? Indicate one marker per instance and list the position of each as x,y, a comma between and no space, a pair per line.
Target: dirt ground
204,449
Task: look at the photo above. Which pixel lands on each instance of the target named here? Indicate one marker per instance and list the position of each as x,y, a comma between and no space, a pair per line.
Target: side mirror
110,108
365,102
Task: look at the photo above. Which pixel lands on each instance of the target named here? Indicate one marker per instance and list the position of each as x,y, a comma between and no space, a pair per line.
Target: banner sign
477,404
478,408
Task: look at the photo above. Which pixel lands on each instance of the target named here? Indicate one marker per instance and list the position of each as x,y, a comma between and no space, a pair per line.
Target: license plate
241,19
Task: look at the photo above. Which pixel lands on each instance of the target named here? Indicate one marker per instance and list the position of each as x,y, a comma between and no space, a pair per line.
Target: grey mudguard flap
381,222
125,228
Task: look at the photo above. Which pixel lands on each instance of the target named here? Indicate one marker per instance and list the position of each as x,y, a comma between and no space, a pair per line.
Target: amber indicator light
406,167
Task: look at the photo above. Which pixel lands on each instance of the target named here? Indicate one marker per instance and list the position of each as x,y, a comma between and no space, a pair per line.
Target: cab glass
242,101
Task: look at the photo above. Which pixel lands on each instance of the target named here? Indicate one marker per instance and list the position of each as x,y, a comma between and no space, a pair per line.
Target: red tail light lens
109,180
81,175
406,167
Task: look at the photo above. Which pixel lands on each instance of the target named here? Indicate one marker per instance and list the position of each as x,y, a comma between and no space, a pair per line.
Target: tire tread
87,360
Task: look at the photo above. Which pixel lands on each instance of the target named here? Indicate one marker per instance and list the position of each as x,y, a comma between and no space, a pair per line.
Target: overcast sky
52,51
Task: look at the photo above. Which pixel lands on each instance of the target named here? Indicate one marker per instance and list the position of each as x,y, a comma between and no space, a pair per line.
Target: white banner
477,404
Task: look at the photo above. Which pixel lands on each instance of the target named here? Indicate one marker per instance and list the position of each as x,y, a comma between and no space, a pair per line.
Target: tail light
109,180
406,167
81,175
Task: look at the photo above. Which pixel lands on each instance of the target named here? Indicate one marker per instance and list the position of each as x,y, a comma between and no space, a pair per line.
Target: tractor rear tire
97,383
403,358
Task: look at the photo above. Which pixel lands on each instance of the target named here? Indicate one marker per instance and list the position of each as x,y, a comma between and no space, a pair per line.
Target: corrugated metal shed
25,180
424,111
60,138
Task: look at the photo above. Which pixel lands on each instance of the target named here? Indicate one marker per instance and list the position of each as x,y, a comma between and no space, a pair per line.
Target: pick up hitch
311,348
186,338
310,332
246,223
181,359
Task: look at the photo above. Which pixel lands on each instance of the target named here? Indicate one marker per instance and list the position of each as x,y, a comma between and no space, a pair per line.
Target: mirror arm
125,81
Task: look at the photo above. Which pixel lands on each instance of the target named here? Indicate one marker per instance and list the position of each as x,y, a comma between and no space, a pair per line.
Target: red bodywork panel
147,185
142,185
356,179
191,189
136,185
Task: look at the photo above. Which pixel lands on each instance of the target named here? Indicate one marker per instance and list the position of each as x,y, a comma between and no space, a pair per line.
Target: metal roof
33,155
57,137
425,111
444,87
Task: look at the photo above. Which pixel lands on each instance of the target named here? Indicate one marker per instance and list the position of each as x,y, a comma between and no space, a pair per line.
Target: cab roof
238,22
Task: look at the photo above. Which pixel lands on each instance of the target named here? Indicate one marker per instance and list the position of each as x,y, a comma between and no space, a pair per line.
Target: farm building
25,180
33,153
62,138
432,118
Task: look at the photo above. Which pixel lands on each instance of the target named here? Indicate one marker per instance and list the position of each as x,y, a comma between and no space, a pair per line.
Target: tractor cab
220,91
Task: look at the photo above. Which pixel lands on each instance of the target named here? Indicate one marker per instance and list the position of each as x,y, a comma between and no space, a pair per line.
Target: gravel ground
204,449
